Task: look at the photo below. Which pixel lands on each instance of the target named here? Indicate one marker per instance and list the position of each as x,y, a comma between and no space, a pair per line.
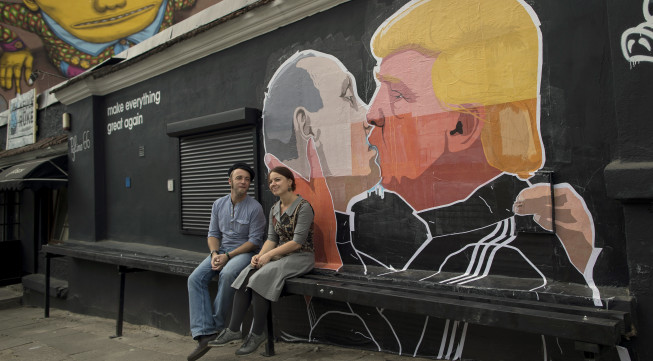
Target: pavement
26,335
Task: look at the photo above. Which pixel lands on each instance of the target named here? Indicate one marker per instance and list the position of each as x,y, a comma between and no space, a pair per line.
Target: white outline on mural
641,35
483,251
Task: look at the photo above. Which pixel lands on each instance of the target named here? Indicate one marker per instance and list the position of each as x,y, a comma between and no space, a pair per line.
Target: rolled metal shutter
205,160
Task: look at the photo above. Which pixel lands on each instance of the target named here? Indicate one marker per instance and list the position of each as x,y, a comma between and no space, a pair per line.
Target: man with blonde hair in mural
456,124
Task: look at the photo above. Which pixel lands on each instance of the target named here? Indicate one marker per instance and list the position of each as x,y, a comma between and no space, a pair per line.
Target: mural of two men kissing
428,182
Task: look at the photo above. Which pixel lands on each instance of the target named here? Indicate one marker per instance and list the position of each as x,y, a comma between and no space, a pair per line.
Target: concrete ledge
10,297
36,282
629,180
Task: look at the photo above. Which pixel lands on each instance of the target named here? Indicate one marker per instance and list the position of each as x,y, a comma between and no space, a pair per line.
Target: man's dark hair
292,87
243,166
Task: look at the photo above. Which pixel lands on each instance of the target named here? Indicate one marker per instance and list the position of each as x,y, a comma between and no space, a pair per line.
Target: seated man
236,231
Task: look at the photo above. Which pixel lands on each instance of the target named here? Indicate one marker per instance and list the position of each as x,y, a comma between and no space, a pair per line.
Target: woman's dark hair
284,172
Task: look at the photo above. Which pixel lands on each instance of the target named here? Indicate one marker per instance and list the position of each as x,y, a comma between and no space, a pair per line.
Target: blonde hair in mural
488,53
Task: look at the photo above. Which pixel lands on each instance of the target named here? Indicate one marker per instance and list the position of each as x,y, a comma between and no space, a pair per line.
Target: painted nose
378,119
104,5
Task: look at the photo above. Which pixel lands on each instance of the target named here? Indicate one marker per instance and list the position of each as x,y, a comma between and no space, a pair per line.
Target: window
9,215
205,160
58,218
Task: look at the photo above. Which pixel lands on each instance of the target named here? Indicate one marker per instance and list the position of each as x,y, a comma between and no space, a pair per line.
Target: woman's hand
263,260
255,261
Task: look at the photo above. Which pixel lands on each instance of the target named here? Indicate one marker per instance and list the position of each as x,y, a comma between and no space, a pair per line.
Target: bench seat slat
576,327
545,306
126,259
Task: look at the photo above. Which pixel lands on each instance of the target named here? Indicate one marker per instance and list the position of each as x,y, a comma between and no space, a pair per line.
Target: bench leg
269,346
121,302
47,285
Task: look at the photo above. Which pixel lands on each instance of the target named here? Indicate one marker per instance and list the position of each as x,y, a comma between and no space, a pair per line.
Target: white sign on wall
21,125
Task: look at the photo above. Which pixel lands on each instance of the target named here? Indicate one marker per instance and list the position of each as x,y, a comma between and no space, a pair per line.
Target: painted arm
15,61
316,191
573,221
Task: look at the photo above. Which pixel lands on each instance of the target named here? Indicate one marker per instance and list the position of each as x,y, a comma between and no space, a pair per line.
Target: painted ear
31,4
302,123
465,130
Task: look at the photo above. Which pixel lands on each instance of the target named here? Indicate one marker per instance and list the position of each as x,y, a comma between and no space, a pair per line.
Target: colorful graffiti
65,38
428,182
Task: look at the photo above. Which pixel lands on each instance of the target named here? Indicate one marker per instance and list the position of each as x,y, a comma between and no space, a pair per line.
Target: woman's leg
258,335
260,307
242,300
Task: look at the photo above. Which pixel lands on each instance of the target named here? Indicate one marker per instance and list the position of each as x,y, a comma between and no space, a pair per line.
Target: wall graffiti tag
637,42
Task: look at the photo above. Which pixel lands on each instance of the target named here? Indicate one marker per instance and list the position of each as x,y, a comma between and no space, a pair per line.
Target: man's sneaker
202,347
225,337
252,342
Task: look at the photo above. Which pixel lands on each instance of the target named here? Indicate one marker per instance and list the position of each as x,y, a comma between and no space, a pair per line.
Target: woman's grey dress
295,224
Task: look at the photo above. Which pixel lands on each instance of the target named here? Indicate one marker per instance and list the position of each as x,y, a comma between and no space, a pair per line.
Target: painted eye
397,95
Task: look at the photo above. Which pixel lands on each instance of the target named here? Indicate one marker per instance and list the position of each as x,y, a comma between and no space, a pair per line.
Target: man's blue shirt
235,225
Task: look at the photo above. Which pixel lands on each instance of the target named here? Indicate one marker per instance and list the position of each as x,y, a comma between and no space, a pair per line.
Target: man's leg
199,300
224,298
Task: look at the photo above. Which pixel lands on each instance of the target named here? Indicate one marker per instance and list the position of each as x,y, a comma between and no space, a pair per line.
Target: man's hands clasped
218,261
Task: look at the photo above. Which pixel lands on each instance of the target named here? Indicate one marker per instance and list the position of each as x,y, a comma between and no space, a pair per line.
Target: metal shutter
205,160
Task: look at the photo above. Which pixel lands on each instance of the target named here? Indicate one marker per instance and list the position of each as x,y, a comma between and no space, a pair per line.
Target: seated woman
288,252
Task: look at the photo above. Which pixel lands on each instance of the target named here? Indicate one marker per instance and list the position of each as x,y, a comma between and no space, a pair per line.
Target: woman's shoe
225,337
252,342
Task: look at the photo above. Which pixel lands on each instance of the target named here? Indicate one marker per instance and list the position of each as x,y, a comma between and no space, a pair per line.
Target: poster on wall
21,129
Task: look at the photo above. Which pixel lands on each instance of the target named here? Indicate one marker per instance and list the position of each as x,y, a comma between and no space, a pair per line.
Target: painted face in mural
99,20
338,128
418,136
411,124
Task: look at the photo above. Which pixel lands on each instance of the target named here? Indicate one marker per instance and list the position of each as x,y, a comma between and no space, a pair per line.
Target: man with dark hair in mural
236,231
314,123
78,34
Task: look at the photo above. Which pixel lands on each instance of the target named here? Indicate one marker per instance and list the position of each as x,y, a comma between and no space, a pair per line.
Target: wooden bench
130,258
127,258
591,328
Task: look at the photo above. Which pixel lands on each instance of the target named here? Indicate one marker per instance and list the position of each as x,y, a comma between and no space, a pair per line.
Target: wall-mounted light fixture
65,121
36,73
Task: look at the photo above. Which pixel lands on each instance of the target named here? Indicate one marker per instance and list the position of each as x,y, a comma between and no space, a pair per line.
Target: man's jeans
204,319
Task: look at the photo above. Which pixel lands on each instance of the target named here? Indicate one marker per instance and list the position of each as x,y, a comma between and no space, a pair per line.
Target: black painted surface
594,110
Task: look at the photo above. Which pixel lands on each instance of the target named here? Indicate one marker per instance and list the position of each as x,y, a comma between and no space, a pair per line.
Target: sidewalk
26,335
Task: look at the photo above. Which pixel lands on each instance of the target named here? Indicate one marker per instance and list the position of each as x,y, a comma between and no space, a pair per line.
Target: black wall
593,111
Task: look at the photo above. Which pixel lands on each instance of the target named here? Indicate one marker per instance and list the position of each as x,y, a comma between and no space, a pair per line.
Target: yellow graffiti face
99,21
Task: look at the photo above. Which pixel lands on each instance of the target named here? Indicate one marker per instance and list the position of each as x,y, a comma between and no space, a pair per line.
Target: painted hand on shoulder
310,188
573,221
13,65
